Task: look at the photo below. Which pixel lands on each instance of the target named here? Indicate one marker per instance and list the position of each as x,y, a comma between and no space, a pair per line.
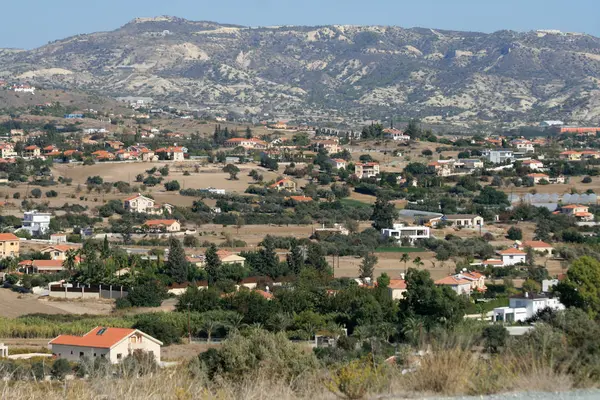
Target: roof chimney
526,295
402,276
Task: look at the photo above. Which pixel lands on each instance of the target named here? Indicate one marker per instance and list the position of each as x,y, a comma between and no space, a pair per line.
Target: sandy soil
13,305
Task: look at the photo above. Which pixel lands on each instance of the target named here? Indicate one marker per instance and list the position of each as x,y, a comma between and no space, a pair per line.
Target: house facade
457,283
145,205
9,245
397,288
512,256
499,156
57,252
248,144
36,223
412,233
337,163
366,170
163,225
463,220
580,212
284,184
533,165
537,245
113,344
520,308
537,177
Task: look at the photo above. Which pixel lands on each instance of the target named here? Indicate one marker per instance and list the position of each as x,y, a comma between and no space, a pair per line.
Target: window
81,354
94,354
71,352
119,356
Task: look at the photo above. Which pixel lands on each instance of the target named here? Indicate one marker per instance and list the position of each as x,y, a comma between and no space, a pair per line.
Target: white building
113,344
400,232
533,165
366,170
395,134
512,256
523,307
523,145
24,89
464,220
547,124
145,205
36,223
499,156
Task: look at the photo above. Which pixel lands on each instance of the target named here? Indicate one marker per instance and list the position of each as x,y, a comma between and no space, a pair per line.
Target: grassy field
400,250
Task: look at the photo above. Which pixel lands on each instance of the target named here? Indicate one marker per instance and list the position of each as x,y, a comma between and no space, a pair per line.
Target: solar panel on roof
101,331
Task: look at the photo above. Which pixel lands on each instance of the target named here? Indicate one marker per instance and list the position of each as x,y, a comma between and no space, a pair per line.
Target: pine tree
384,214
212,264
316,257
367,267
177,266
295,258
268,257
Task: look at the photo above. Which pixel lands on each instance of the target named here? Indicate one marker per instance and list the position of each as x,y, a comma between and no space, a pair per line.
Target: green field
355,203
400,250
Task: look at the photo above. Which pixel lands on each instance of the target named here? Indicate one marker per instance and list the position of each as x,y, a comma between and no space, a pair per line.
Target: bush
354,379
60,369
150,294
154,325
172,186
258,351
515,233
37,193
122,303
587,179
138,363
16,195
427,152
52,193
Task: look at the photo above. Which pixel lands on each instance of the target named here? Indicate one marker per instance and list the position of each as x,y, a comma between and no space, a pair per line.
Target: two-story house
36,223
9,245
366,170
580,212
145,205
284,184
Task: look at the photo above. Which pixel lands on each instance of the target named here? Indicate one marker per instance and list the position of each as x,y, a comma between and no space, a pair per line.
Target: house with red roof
7,150
248,144
9,245
457,283
42,266
163,225
145,205
536,245
32,151
173,153
57,252
284,184
397,288
112,344
366,170
538,177
580,212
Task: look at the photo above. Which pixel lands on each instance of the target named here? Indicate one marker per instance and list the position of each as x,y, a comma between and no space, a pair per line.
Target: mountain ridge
347,72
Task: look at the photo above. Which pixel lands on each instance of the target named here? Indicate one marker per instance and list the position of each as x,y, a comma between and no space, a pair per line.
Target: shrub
155,326
495,337
16,195
172,186
354,379
587,179
60,369
52,193
259,351
138,363
150,294
122,303
515,233
37,193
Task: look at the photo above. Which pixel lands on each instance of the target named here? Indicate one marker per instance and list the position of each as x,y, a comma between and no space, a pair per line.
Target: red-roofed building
537,245
580,212
537,177
248,144
457,283
366,170
32,151
512,256
42,266
113,344
163,225
533,164
284,184
9,245
173,153
397,288
301,199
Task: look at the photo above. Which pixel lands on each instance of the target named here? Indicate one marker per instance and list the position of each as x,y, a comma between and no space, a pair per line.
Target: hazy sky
32,23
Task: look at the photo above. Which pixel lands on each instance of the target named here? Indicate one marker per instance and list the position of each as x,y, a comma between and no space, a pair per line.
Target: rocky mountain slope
331,70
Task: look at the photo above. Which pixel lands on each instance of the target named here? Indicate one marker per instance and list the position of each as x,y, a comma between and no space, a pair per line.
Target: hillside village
286,225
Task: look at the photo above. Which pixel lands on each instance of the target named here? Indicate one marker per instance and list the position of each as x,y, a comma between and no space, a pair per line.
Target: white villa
521,308
400,231
145,205
113,344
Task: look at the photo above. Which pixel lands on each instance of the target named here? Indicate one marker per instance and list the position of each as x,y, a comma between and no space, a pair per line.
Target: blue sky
32,23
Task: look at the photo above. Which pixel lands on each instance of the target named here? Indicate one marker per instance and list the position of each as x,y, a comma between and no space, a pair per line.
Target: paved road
574,395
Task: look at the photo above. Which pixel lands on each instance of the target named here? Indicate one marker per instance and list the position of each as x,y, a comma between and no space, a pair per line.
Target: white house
36,223
113,344
547,124
366,170
145,205
499,156
458,283
337,163
397,288
465,220
512,256
523,307
534,165
399,232
395,134
523,145
536,245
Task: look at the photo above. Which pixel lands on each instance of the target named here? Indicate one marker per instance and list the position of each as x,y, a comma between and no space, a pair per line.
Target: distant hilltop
335,72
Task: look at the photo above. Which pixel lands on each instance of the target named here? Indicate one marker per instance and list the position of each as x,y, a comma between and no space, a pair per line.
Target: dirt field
13,305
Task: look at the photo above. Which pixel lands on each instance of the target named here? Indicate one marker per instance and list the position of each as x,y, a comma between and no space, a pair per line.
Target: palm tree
280,322
412,329
386,330
70,260
418,262
234,322
405,259
210,325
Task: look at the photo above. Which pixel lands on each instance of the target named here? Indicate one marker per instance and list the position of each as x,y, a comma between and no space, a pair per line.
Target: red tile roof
536,244
452,281
8,236
397,284
508,252
106,340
